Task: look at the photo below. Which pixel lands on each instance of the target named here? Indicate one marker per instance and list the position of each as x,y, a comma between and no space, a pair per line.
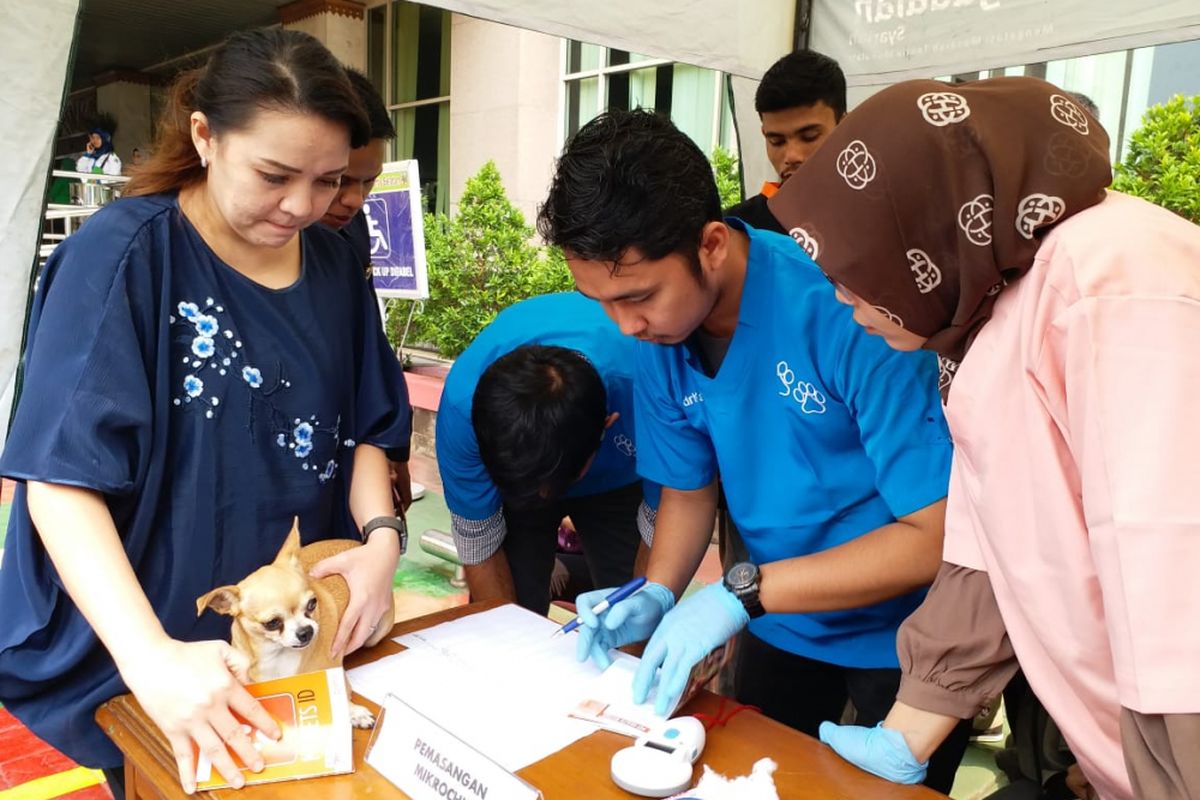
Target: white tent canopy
37,50
735,36
885,41
740,37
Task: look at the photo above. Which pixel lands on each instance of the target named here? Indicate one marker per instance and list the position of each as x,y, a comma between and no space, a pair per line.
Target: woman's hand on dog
192,690
368,571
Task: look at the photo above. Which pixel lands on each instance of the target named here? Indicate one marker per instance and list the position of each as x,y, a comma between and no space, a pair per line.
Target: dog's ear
290,552
223,600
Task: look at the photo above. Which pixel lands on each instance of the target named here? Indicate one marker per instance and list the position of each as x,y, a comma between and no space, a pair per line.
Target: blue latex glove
879,750
631,620
684,637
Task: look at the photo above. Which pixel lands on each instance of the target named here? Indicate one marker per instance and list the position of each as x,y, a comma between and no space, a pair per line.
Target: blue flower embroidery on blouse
203,346
205,325
303,433
300,440
205,349
212,347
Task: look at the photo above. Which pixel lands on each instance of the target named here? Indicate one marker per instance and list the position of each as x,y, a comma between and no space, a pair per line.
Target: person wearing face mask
799,101
1065,317
99,156
203,365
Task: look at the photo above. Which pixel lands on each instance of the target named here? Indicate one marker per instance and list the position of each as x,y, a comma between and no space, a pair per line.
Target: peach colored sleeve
955,655
1132,388
961,545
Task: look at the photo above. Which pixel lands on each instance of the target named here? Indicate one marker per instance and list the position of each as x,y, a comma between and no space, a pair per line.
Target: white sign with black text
427,762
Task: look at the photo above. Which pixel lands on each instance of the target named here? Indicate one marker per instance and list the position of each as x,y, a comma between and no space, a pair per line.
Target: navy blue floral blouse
207,409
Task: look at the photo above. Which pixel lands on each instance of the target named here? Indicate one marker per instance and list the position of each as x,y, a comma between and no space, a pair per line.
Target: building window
408,56
598,78
1122,84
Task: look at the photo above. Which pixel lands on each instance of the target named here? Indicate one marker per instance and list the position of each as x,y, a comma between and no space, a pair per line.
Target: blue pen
616,596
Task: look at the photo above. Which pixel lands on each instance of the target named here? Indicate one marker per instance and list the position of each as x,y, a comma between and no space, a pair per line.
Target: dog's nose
304,635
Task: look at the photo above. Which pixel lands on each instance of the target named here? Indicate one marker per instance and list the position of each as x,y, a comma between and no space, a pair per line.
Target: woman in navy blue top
202,366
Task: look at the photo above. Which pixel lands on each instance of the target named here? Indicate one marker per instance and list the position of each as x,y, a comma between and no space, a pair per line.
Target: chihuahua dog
284,621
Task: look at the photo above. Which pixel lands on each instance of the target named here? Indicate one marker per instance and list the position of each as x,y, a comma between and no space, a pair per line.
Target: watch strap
395,523
751,603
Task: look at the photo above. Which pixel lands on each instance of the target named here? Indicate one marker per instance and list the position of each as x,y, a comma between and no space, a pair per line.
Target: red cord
723,716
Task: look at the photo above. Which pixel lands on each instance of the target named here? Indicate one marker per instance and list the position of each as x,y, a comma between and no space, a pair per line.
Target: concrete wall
344,35
504,106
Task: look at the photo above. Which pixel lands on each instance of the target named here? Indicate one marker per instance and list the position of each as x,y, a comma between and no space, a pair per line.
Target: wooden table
807,768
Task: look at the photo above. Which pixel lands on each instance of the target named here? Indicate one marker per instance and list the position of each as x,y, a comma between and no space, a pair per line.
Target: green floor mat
420,572
430,581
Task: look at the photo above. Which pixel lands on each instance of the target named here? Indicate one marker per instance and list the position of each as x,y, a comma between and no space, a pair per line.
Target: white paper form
499,682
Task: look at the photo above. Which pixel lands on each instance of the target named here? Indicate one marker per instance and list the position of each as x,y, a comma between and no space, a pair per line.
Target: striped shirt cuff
477,540
645,523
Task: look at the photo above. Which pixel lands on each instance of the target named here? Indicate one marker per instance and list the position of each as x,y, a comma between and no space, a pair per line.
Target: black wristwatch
742,580
395,523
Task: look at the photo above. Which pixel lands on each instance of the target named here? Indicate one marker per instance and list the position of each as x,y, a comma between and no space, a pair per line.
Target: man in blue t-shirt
536,422
831,446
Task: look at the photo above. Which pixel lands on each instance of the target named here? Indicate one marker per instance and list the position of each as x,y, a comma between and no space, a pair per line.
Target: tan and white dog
284,621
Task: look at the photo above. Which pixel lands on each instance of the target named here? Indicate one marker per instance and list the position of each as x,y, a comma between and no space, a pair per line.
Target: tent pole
802,24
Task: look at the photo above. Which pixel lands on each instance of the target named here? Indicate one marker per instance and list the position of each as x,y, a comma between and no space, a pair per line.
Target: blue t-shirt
208,410
820,432
565,320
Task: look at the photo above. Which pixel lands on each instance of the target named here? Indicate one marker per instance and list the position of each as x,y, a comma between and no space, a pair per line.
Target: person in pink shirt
974,220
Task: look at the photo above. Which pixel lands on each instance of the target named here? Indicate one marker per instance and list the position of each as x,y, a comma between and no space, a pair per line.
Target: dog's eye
273,624
312,605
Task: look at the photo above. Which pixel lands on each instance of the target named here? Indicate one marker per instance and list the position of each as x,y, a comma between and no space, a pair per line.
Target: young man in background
799,101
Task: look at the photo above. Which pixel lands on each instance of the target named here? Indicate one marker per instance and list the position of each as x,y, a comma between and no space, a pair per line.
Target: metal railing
441,545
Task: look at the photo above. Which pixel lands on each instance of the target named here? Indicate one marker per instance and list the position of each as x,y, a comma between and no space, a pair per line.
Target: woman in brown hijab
974,220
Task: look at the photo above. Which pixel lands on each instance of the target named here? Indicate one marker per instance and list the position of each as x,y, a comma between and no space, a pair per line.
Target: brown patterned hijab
929,197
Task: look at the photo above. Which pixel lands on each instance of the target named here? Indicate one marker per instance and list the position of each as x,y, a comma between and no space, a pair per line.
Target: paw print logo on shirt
804,393
624,445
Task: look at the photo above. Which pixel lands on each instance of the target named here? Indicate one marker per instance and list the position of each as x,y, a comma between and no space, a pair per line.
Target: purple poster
394,223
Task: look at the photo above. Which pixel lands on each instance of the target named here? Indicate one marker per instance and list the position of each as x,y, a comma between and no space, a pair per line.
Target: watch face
742,575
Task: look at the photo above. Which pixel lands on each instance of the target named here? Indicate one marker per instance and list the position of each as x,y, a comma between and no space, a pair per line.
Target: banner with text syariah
395,227
884,41
427,762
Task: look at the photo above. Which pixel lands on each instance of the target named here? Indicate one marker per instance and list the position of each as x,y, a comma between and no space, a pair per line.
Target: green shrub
480,262
1163,162
729,178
